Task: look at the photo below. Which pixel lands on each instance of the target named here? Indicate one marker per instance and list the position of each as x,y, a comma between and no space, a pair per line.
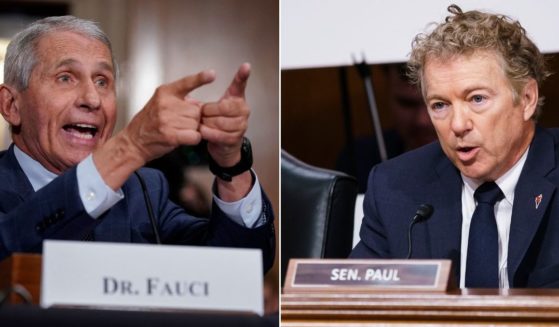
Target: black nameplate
312,275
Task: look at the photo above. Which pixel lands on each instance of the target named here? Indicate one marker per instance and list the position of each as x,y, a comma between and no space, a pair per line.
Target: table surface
31,315
458,307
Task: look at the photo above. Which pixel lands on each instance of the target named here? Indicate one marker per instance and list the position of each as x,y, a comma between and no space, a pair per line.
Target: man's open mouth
84,131
466,149
467,153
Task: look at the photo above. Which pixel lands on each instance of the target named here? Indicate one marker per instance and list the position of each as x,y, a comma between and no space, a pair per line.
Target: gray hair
21,55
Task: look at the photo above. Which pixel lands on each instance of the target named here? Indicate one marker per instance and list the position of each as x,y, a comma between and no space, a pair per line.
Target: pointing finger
187,84
238,85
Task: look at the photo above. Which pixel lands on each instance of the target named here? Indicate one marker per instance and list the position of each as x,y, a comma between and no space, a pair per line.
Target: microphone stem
410,228
423,212
149,208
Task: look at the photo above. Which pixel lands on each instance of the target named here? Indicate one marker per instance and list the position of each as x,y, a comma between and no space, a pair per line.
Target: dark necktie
482,266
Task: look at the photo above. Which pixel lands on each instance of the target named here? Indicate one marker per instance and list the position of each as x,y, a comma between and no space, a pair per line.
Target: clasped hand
172,118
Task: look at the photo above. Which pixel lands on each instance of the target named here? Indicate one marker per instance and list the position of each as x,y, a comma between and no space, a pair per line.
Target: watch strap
227,173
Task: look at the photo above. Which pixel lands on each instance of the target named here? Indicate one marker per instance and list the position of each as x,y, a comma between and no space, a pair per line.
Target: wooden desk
518,307
21,269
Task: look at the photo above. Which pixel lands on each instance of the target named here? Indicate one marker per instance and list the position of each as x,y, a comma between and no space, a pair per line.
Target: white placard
152,277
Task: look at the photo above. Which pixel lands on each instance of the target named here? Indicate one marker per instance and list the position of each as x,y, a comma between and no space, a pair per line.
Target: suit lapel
15,176
532,196
445,225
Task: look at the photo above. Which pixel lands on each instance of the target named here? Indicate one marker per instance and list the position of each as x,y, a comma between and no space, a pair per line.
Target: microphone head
424,211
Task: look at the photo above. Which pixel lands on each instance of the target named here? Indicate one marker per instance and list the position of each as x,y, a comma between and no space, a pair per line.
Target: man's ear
8,105
529,99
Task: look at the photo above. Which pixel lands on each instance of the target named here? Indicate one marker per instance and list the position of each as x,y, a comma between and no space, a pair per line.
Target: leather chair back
317,211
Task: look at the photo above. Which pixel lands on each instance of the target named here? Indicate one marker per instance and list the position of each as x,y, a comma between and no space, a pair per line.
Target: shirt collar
507,182
38,175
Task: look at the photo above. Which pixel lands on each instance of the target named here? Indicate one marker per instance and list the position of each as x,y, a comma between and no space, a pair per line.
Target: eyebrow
433,96
463,92
70,61
476,88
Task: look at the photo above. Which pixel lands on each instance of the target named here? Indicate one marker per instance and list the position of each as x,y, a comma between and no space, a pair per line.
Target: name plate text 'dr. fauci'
143,276
328,275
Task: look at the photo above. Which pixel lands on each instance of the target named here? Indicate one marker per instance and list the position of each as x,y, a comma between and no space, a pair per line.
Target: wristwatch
227,173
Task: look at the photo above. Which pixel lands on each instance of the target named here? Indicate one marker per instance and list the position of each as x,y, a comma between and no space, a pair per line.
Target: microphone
423,212
149,208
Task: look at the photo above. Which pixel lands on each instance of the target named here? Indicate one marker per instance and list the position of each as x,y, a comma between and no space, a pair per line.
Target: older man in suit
492,177
65,177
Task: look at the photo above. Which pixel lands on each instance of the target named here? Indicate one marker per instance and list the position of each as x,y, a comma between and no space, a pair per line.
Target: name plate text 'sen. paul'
358,275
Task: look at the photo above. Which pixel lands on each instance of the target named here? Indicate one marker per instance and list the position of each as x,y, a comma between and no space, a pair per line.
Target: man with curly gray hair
492,176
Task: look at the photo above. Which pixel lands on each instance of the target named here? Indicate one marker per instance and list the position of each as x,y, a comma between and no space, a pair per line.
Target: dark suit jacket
56,212
396,188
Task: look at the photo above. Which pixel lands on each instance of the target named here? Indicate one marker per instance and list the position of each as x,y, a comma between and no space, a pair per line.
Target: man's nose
89,98
460,121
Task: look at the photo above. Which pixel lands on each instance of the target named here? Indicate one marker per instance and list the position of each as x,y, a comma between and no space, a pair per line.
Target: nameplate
358,275
141,276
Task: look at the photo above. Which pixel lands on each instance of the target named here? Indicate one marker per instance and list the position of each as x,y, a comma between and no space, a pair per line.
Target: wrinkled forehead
442,58
68,47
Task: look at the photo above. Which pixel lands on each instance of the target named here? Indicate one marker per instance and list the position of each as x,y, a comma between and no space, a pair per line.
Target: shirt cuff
246,211
97,197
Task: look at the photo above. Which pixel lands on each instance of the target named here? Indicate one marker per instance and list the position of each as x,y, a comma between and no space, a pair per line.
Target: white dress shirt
98,197
503,213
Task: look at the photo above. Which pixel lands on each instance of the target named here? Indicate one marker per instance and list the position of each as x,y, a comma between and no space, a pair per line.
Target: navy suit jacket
56,212
397,187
